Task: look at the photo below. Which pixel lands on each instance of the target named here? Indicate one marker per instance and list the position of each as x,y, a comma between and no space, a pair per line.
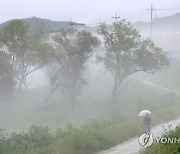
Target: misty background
157,91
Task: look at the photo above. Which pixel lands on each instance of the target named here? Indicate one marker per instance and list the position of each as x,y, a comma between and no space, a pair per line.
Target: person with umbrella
146,120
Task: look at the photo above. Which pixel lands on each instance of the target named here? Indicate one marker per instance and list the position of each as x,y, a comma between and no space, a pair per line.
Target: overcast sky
86,11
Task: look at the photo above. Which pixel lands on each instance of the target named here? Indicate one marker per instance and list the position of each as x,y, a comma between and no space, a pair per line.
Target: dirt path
132,146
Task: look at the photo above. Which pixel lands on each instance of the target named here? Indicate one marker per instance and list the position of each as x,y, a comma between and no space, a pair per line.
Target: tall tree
73,50
6,77
127,53
25,50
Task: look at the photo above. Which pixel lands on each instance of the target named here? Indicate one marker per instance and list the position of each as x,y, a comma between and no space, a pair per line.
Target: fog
85,11
79,89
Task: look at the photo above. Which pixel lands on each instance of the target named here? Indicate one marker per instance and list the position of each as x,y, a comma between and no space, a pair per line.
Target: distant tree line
125,52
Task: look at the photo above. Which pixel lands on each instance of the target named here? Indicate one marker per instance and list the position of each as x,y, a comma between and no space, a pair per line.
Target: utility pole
116,17
151,18
151,9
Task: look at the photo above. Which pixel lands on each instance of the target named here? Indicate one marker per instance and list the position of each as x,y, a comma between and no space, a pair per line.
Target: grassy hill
49,25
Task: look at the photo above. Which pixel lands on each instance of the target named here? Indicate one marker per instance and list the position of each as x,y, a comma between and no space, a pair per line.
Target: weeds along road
132,146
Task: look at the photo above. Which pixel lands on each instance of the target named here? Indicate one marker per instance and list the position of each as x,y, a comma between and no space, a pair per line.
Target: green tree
73,49
6,77
127,53
27,51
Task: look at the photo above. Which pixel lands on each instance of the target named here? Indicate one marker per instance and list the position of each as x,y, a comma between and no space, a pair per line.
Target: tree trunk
50,94
114,99
52,91
73,97
48,97
20,84
73,93
25,84
114,92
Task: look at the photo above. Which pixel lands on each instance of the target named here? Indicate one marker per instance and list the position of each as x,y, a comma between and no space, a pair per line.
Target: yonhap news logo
147,139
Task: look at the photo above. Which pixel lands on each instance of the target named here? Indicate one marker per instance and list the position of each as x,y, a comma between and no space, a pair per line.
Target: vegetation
95,124
127,53
115,123
24,51
73,50
6,77
87,139
165,148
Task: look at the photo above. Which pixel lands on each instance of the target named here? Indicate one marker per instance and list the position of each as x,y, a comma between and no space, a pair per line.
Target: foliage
127,53
73,140
73,50
87,139
113,124
165,148
24,50
6,77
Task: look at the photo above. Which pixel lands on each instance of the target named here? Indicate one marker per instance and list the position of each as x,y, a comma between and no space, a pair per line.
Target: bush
165,148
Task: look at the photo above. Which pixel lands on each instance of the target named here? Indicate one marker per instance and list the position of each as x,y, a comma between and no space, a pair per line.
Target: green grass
89,138
94,125
26,110
167,148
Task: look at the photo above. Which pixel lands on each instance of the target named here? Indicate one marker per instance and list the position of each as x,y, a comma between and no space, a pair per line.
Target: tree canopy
73,49
126,53
6,77
27,52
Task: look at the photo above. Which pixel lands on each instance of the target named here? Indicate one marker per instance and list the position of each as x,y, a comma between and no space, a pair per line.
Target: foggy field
75,78
27,109
92,125
107,124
